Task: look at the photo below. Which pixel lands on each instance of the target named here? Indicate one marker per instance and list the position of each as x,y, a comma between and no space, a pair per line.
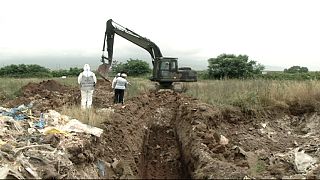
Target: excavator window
173,66
168,66
165,68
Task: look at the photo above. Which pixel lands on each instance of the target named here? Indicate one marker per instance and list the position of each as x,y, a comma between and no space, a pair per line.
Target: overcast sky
61,33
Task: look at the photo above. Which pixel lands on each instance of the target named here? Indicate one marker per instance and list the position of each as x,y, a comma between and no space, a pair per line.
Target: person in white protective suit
87,80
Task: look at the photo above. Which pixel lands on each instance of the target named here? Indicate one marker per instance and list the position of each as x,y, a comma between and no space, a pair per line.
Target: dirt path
167,135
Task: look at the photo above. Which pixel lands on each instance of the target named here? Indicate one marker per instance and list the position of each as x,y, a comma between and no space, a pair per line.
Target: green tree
23,70
232,66
74,71
296,69
133,67
63,72
59,73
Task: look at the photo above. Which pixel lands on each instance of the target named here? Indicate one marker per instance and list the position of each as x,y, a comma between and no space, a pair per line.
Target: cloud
277,33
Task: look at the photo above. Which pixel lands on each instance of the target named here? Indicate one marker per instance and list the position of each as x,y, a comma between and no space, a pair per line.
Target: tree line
224,66
35,71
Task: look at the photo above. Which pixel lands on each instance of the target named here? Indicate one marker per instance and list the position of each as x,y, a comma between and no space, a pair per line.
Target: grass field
249,93
257,93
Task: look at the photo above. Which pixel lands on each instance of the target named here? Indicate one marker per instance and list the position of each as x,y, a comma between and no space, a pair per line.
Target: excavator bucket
103,70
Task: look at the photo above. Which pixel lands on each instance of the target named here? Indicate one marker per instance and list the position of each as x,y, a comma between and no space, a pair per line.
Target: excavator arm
165,69
114,28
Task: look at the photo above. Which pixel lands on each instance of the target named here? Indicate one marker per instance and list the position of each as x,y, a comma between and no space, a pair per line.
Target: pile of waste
48,145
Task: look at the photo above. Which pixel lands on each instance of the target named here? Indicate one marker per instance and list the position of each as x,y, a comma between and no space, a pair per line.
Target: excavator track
176,87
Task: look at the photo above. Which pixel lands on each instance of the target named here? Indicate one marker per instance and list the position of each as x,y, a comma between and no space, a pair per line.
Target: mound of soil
45,95
167,135
51,94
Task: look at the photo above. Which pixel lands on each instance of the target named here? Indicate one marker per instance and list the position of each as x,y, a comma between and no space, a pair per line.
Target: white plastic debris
56,117
106,110
239,150
264,125
4,171
223,140
303,161
31,130
77,126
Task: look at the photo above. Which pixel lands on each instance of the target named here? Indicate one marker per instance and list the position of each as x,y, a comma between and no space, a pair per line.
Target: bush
133,67
24,71
296,69
290,76
232,66
62,72
35,71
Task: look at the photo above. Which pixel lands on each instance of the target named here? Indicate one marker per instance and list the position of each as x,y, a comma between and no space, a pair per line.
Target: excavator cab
166,72
166,69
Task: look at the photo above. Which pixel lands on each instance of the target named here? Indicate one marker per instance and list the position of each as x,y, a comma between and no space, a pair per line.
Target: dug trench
167,135
162,156
171,135
149,140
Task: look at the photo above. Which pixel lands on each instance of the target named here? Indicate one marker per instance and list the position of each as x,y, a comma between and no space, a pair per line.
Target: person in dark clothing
120,85
113,87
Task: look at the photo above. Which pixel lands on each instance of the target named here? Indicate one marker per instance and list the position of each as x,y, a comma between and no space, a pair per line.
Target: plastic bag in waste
77,126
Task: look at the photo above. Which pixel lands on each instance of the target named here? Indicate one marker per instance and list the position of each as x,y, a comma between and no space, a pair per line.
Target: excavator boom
165,69
114,28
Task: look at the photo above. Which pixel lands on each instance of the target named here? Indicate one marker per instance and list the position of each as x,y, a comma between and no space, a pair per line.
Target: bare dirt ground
170,135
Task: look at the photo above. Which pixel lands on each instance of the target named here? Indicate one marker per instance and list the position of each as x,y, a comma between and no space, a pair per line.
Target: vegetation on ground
230,80
290,76
89,116
254,94
246,94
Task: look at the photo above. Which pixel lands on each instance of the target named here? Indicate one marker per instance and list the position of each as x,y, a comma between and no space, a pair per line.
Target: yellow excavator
165,71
